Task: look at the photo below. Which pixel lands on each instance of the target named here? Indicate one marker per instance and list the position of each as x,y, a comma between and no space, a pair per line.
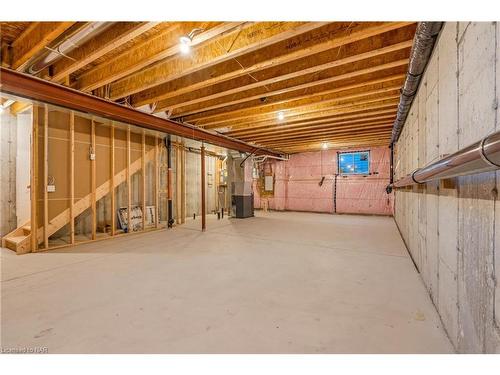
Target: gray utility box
242,206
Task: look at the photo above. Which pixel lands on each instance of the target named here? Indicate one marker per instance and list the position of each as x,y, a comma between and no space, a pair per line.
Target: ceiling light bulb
281,116
185,44
325,146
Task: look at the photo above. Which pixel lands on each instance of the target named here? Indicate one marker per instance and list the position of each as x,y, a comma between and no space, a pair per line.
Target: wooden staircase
19,239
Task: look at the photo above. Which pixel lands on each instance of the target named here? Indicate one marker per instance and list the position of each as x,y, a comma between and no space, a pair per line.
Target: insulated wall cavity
308,182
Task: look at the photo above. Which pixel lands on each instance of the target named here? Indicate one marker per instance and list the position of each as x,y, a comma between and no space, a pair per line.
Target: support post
183,183
72,177
143,175
45,176
112,180
203,213
129,188
34,179
177,183
93,181
156,190
170,182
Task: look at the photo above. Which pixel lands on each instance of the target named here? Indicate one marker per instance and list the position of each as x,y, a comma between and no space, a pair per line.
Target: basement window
354,163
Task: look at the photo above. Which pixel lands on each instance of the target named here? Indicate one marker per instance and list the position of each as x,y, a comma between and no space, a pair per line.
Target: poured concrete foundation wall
296,185
451,228
8,139
23,156
15,134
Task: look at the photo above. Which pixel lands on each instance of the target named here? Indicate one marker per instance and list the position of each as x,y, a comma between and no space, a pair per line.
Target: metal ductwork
482,156
423,44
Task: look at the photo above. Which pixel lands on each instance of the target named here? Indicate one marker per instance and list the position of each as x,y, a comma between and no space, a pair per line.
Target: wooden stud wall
83,206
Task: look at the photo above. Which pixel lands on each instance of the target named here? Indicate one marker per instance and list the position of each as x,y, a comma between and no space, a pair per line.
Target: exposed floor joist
115,36
327,81
33,40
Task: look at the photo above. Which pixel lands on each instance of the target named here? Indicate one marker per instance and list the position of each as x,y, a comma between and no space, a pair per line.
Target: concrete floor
276,283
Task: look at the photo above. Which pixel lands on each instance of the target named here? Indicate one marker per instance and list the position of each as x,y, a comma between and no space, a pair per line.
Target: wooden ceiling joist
343,109
315,113
305,105
113,37
333,126
33,40
375,136
160,47
232,45
379,138
330,36
315,146
235,86
311,123
306,89
19,107
284,85
366,126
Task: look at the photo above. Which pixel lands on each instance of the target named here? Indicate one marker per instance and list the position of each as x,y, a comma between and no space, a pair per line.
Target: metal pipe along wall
481,156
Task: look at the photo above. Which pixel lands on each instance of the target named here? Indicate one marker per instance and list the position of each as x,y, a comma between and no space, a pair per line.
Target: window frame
339,154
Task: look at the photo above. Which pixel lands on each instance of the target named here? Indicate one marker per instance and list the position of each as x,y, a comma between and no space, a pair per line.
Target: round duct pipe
481,156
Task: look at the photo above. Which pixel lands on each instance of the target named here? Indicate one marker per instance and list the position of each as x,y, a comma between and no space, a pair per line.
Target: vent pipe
423,44
67,45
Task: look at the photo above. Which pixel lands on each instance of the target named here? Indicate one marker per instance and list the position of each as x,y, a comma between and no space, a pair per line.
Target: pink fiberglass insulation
297,187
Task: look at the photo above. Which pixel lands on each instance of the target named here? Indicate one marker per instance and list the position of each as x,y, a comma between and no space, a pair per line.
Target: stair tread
16,239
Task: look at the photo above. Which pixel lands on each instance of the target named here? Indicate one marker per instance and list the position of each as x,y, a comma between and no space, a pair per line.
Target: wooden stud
45,176
156,190
183,183
72,176
93,181
86,202
203,195
177,184
217,182
143,179
34,179
112,181
129,188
